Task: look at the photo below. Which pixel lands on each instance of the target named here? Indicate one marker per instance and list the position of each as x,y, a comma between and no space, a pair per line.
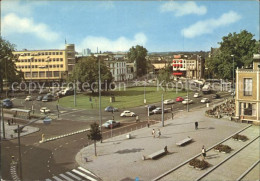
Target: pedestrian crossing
79,173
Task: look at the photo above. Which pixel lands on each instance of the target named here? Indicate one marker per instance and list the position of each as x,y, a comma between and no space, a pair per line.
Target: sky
159,26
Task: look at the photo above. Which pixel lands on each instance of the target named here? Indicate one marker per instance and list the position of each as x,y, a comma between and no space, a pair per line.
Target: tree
165,74
138,54
94,135
8,71
87,70
241,45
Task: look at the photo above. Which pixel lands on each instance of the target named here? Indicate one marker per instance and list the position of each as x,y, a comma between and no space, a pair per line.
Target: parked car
47,97
204,100
7,103
187,101
111,109
179,99
45,110
127,114
151,107
196,95
111,124
158,110
168,101
28,98
216,96
47,120
39,98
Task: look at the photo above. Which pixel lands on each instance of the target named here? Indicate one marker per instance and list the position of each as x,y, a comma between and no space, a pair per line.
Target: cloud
181,9
11,23
20,8
105,44
208,26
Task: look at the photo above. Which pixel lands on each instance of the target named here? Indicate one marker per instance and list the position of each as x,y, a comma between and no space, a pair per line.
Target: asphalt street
41,161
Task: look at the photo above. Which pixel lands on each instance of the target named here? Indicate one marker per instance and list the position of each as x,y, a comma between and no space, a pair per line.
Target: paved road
46,160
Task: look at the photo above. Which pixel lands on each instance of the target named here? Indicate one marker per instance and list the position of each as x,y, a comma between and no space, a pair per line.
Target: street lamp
187,87
99,93
31,59
233,76
144,93
48,60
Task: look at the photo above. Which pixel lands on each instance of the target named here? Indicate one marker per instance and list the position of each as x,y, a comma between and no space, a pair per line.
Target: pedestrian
196,125
153,133
148,125
203,152
8,122
159,133
12,121
136,118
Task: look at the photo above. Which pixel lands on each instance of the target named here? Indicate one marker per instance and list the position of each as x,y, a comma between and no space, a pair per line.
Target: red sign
177,73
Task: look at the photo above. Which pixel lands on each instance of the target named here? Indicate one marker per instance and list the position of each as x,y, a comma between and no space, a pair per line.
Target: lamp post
144,92
187,92
30,74
48,60
99,95
233,76
2,119
162,112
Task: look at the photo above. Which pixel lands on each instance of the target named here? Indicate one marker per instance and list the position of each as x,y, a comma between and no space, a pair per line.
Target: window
57,59
41,74
61,59
53,53
36,66
56,74
35,74
49,74
58,66
248,109
46,53
25,66
53,60
61,66
57,53
49,53
35,60
32,66
61,53
54,66
248,87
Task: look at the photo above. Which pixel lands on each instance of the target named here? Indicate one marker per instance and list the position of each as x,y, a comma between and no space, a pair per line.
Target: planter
240,137
198,164
223,148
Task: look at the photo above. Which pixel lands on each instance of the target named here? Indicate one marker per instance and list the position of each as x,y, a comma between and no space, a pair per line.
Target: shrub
223,148
202,164
240,137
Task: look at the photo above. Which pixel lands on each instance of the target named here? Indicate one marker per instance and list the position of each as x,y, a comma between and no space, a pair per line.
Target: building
188,66
46,65
247,98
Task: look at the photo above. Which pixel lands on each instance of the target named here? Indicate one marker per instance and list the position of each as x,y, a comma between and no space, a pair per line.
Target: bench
184,141
157,154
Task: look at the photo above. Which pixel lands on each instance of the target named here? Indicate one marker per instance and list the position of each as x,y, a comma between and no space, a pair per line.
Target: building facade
46,65
190,67
248,93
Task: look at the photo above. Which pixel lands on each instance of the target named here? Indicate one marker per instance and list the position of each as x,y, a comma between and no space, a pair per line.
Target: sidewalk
120,158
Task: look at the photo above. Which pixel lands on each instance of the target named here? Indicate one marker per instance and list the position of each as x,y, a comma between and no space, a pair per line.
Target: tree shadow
134,150
212,156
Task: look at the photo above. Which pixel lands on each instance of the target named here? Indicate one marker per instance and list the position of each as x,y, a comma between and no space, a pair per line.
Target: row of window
248,86
40,60
42,74
248,109
40,53
38,66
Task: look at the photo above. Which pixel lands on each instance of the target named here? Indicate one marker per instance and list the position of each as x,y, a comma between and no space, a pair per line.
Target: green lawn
131,97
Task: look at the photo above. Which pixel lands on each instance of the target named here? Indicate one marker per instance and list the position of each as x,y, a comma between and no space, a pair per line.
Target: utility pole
162,112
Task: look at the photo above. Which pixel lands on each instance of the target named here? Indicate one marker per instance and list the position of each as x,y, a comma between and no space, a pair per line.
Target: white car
168,101
45,110
127,114
187,101
196,95
158,110
28,98
204,100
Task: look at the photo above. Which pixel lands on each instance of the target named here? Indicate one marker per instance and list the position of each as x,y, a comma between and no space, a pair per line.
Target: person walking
153,133
136,119
159,133
196,125
203,152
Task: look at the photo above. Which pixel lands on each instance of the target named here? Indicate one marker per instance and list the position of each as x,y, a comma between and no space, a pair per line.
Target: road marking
83,175
56,178
72,175
66,178
83,169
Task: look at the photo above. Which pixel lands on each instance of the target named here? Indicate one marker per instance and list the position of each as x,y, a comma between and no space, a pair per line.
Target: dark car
39,98
151,107
216,96
111,109
7,103
47,98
